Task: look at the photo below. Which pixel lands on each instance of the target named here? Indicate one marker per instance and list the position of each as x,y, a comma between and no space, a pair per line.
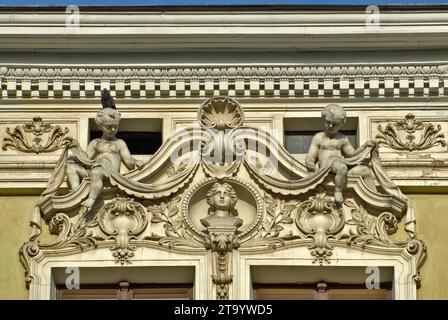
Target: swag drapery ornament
217,188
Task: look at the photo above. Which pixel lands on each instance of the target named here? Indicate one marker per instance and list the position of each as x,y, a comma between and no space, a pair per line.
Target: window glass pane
298,142
143,136
141,143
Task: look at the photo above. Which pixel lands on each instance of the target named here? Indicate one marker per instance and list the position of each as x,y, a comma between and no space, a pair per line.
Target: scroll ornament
37,136
419,135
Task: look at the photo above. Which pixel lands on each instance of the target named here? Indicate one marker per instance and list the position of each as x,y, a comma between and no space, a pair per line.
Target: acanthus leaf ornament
370,229
29,137
428,137
176,231
376,231
69,234
76,234
279,213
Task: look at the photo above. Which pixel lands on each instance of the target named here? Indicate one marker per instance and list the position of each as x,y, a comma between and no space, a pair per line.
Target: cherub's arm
127,158
349,151
313,152
90,151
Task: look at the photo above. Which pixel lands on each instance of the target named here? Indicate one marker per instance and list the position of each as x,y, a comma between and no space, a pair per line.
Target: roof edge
239,7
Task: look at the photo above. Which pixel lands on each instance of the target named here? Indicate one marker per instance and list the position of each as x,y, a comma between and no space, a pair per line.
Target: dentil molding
196,81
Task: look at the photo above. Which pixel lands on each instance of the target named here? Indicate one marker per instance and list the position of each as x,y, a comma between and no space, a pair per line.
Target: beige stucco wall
432,227
431,218
15,215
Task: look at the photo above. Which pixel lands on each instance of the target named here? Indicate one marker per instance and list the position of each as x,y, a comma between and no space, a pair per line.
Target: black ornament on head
106,100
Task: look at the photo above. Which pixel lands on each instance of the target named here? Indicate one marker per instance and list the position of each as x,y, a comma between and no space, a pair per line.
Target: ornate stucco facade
209,79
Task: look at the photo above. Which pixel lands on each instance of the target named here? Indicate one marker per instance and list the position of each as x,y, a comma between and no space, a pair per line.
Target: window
319,283
321,291
300,131
142,136
124,283
127,291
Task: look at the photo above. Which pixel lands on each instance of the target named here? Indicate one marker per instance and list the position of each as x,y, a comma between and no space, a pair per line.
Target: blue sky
202,2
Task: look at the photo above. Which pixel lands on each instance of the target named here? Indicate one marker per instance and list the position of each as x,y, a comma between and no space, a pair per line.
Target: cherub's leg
340,180
96,185
74,174
364,172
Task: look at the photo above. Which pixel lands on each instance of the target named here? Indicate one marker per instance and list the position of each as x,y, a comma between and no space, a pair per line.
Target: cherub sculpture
102,155
332,146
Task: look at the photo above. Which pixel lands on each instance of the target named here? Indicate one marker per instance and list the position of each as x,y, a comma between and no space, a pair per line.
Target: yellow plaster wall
432,226
14,216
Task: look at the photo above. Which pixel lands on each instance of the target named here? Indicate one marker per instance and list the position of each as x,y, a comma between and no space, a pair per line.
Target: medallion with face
222,198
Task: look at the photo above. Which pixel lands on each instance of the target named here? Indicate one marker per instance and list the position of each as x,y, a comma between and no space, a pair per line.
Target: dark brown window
321,291
126,291
140,143
142,136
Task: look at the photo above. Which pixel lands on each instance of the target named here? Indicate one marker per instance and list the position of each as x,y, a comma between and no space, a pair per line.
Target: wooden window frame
322,290
123,290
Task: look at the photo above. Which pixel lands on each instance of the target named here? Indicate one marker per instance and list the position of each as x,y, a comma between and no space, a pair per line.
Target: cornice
399,80
228,7
215,30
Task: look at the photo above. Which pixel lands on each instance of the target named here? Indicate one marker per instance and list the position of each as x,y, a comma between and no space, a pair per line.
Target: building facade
219,106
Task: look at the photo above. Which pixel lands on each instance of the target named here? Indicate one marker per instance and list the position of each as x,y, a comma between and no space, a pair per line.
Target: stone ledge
195,81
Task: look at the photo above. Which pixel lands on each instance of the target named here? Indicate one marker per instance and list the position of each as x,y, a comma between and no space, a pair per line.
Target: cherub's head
107,121
334,117
222,197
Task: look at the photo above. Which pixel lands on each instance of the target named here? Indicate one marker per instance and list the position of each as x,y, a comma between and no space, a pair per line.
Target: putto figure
333,146
107,153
